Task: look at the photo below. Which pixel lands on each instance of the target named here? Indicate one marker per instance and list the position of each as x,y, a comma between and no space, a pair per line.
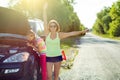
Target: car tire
34,74
32,71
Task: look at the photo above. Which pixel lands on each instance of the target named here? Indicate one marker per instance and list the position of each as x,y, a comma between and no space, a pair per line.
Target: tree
103,21
115,28
61,10
115,16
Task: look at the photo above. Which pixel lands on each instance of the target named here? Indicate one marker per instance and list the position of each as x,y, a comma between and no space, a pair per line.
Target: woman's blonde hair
54,21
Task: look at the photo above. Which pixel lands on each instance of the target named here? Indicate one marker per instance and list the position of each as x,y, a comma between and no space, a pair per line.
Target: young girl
53,37
39,45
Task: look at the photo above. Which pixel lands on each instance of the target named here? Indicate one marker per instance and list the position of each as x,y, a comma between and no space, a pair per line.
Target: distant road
98,59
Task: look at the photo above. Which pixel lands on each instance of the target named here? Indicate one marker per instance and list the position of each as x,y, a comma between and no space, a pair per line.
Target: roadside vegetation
107,23
71,51
107,36
60,10
69,45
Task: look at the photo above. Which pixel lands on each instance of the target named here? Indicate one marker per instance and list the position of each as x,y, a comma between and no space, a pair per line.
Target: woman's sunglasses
53,26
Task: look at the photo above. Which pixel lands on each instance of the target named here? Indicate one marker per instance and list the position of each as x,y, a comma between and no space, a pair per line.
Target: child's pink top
42,45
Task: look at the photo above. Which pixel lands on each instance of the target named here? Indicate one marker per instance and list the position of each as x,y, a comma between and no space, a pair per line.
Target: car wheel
34,76
35,72
32,71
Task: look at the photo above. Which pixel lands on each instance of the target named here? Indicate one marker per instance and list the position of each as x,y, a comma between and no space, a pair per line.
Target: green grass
67,46
107,36
68,42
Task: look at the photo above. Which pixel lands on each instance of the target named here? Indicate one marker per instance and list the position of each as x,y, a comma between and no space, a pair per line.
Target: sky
85,9
4,3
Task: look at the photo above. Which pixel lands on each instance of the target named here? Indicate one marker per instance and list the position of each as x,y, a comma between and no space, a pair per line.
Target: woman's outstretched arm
73,33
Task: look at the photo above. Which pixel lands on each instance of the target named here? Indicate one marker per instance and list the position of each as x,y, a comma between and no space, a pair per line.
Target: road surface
98,59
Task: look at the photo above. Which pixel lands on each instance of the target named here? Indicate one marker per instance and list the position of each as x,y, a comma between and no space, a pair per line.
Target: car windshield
36,25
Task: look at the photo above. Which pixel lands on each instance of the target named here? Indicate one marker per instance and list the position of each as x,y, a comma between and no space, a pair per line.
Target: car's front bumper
11,71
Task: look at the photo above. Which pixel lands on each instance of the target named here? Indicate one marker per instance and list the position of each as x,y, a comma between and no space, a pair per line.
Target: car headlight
19,57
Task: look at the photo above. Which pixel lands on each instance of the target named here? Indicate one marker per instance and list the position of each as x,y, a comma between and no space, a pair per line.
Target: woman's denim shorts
54,59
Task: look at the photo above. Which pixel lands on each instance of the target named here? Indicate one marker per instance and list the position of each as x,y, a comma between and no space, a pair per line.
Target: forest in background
108,21
60,10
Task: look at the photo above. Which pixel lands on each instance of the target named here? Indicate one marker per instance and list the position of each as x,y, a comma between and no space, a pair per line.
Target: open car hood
12,39
13,22
5,35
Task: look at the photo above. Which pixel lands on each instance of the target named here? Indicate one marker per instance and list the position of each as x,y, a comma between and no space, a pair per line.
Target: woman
53,37
38,44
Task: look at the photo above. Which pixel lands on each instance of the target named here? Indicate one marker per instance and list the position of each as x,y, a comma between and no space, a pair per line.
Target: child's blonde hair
31,32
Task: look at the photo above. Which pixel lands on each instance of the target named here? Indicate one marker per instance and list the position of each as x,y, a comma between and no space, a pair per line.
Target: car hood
12,39
13,22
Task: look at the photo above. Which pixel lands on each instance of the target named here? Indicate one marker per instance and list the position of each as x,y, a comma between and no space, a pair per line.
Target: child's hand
31,45
28,44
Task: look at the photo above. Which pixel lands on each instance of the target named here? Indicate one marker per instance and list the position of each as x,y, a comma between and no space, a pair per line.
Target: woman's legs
57,66
49,70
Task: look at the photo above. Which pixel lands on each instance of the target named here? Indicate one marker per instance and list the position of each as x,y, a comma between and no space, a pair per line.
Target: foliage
115,10
115,28
102,23
60,10
108,20
98,27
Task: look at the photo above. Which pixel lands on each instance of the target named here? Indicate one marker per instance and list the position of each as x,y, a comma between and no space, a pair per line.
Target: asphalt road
98,59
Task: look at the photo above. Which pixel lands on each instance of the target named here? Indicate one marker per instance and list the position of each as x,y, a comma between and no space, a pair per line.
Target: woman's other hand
86,30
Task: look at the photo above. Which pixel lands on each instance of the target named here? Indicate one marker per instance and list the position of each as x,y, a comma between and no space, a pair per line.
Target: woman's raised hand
45,6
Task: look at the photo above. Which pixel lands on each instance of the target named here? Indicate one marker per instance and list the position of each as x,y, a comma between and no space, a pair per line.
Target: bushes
115,28
108,21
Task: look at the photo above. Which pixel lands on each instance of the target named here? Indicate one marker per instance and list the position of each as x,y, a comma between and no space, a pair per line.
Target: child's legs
49,70
43,66
57,66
